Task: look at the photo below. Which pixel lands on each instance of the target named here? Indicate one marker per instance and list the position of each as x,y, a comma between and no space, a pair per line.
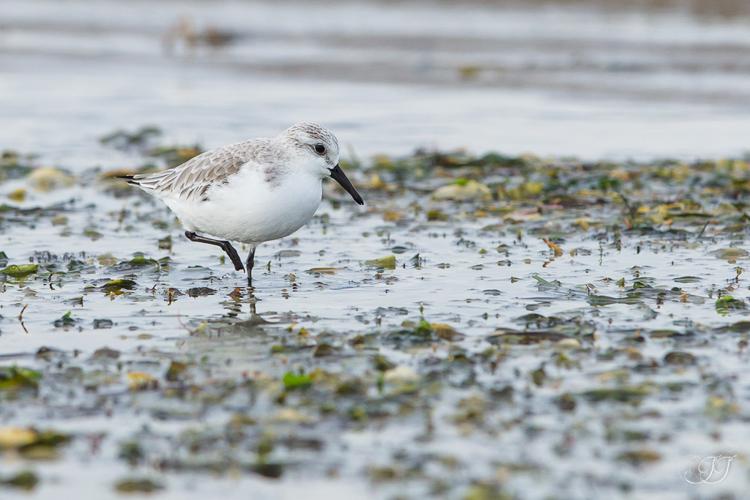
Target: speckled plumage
315,132
194,179
251,191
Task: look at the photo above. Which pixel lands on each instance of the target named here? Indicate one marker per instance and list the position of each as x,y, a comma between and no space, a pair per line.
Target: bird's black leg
249,263
224,245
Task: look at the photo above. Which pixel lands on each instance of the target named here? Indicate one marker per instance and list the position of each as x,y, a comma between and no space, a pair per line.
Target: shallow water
598,364
598,369
388,77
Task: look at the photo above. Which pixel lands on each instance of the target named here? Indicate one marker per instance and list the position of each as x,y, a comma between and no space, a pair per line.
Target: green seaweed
20,270
388,262
295,381
634,394
15,378
118,285
726,304
24,480
138,485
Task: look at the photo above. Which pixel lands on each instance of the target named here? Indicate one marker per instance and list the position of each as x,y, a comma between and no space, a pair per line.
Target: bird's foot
234,257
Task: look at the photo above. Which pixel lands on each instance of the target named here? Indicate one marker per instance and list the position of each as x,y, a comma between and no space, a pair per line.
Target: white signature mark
709,470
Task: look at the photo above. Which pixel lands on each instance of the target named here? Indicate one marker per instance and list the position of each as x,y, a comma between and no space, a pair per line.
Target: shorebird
253,191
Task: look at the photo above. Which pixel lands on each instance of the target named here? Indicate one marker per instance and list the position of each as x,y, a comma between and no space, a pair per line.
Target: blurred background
591,78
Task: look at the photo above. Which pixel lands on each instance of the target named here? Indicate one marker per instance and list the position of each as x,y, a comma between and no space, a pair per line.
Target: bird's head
318,145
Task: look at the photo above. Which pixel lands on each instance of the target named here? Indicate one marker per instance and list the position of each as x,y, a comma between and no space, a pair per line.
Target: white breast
249,209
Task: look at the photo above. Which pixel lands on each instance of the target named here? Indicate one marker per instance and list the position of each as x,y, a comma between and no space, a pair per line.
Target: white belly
249,210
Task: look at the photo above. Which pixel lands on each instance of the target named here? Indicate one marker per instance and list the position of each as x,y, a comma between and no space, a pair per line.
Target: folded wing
192,180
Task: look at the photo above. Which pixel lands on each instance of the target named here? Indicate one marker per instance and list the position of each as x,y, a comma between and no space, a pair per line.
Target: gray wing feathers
192,180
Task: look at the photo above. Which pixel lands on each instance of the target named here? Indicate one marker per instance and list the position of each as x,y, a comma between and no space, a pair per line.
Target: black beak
340,177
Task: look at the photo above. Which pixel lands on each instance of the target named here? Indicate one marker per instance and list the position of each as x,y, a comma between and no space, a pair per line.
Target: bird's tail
130,179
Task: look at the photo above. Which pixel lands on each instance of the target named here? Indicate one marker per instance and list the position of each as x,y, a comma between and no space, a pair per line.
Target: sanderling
253,191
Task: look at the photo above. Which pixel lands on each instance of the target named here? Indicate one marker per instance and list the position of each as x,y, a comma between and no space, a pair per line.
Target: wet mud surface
485,327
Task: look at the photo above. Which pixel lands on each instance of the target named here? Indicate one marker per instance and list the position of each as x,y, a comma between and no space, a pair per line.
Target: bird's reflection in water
238,339
239,301
239,321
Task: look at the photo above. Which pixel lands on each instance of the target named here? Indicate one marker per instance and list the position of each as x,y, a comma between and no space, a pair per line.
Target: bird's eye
320,149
